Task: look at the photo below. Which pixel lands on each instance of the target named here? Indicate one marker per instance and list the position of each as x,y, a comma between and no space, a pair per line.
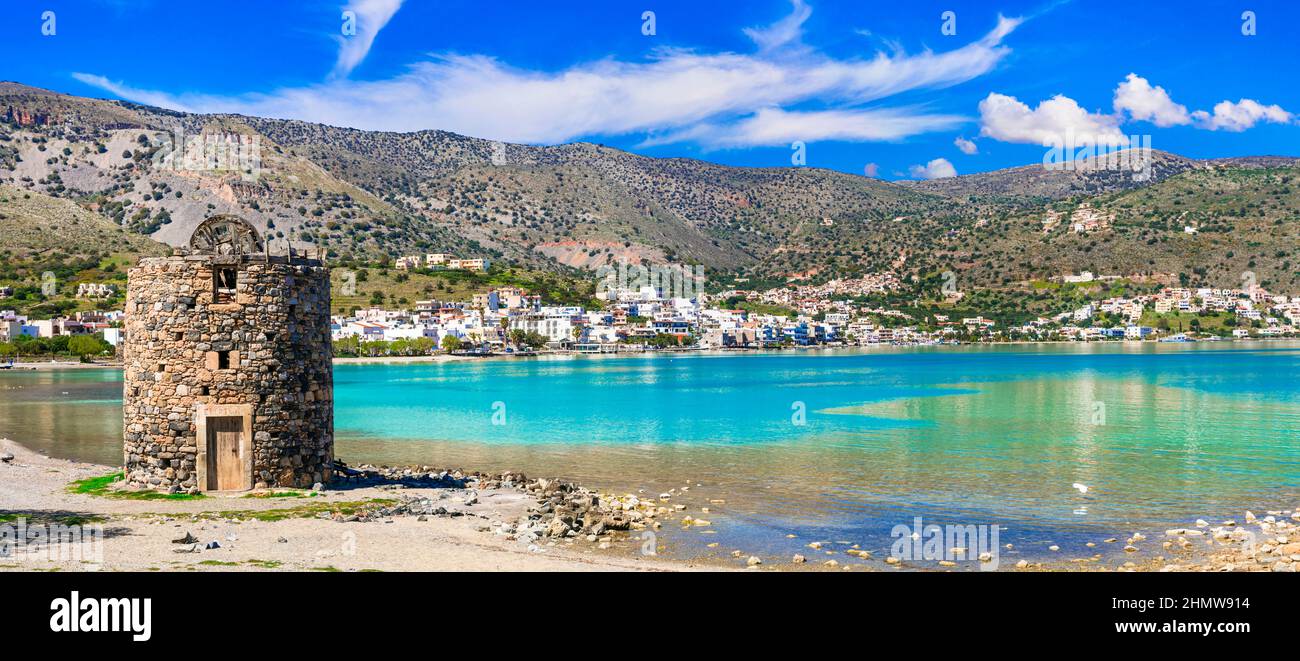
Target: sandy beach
287,533
62,365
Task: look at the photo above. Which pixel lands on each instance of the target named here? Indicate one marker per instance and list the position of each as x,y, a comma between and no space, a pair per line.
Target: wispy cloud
784,91
774,126
371,17
788,30
147,97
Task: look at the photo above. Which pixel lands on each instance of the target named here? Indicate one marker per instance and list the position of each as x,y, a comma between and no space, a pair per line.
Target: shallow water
833,445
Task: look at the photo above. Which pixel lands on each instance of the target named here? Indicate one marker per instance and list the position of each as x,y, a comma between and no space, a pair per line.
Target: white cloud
1146,103
939,168
1055,121
773,126
967,147
871,170
372,16
788,30
147,97
673,94
1240,116
1142,101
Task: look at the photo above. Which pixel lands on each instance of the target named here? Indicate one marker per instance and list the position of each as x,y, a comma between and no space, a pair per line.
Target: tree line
354,346
83,347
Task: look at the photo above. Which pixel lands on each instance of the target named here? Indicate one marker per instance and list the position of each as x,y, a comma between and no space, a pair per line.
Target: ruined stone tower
228,382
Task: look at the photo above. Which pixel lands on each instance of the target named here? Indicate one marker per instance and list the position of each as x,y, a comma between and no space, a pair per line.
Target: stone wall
273,329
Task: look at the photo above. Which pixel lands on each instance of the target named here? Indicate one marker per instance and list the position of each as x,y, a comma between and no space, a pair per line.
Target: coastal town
652,314
508,320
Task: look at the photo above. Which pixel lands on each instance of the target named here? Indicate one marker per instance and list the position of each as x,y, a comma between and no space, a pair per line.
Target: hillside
107,157
1215,226
566,209
41,234
35,226
363,194
1036,183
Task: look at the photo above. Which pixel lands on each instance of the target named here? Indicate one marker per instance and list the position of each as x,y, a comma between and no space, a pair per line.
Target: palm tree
517,337
451,344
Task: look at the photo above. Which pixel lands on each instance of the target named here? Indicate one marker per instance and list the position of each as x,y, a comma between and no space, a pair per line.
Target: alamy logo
667,280
23,541
103,615
951,543
209,152
1080,152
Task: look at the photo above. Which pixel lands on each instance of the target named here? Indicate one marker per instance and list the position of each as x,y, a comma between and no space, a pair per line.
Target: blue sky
866,86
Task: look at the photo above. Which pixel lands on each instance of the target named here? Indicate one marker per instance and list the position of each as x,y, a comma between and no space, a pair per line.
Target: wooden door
225,465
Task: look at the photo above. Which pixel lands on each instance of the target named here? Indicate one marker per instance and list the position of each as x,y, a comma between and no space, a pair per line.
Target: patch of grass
60,519
302,511
94,485
756,307
330,569
102,487
79,520
218,563
282,494
264,564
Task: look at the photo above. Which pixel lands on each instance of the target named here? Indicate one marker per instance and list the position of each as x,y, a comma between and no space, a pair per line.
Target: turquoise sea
830,445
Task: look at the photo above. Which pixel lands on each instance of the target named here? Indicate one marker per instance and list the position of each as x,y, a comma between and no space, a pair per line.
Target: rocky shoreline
1268,543
566,513
561,511
1258,544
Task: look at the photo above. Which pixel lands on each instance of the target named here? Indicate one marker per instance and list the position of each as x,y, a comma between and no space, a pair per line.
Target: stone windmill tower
228,379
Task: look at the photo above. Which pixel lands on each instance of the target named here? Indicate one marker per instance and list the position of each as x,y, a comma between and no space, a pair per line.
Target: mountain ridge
573,207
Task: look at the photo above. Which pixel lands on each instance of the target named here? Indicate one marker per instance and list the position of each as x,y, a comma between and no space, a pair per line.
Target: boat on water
1179,338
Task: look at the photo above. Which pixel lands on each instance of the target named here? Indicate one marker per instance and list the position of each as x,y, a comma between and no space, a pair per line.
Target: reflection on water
1160,434
71,413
